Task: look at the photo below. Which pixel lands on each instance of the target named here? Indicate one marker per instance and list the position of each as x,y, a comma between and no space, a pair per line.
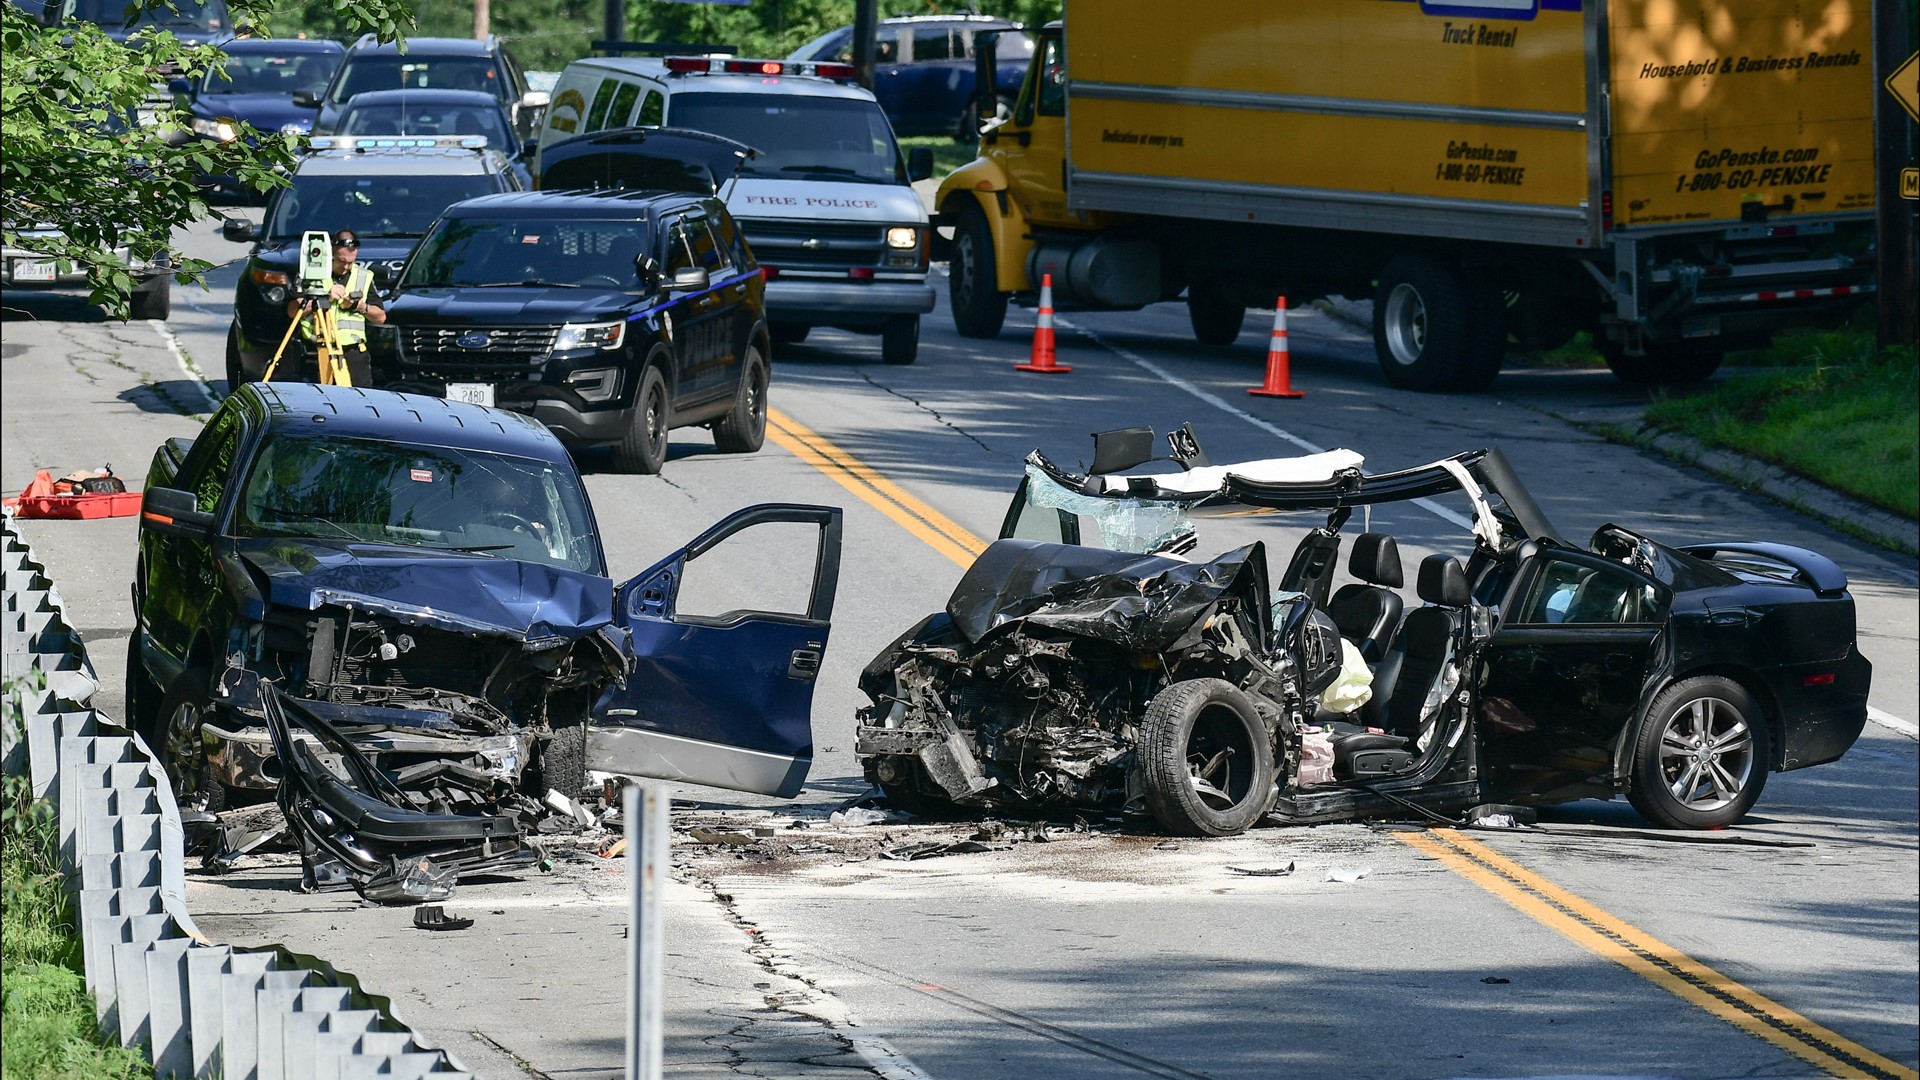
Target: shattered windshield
465,252
361,490
798,137
1139,526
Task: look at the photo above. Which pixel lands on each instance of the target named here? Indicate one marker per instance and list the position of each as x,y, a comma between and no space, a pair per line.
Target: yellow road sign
1904,85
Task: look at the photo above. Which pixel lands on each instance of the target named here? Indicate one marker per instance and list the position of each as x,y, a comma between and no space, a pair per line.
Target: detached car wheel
1207,759
979,307
177,741
644,449
1701,757
900,339
744,429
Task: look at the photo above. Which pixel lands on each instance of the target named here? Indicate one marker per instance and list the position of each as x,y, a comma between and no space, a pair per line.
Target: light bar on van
720,65
398,142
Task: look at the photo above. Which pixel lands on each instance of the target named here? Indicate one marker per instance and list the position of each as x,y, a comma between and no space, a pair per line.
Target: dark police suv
612,316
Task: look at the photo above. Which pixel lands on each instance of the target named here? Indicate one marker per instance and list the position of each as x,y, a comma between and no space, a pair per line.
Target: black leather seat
1368,611
1412,667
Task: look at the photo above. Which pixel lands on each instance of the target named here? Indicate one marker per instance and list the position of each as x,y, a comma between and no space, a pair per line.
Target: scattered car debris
1347,874
572,808
1500,816
1114,674
857,816
912,852
1262,871
703,835
434,917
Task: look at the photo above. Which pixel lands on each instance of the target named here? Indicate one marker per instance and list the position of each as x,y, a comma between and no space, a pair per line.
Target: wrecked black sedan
1115,675
422,581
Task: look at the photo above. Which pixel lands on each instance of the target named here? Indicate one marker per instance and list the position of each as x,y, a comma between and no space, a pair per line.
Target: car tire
788,333
175,740
744,429
973,289
1428,333
143,694
1216,320
900,339
644,448
1210,727
236,369
1701,757
1665,363
152,299
563,763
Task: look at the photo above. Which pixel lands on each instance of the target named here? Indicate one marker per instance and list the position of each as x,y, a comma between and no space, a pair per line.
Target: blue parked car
923,70
262,75
197,22
420,584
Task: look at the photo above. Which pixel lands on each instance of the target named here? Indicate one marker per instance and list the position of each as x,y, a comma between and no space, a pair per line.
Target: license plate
32,270
473,393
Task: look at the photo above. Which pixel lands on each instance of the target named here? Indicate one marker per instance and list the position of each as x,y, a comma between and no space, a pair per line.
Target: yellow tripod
326,343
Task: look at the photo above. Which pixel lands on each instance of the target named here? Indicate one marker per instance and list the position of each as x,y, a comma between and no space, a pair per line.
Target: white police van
826,206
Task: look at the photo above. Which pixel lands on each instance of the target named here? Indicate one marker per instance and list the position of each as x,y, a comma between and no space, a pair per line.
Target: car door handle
804,664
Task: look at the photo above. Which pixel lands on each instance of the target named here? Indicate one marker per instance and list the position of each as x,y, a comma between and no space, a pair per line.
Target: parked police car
610,316
826,205
387,190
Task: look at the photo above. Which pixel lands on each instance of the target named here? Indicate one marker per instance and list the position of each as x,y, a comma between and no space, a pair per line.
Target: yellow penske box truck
1677,177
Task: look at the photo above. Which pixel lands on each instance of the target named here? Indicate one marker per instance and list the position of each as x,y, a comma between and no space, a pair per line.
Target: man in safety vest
354,306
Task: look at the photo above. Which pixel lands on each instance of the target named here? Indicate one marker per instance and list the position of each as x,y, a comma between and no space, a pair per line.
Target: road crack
940,417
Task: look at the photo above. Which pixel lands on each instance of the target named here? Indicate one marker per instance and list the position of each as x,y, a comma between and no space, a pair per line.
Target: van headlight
903,236
590,336
217,130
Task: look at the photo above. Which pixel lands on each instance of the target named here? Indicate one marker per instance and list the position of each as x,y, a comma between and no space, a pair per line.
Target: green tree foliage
79,163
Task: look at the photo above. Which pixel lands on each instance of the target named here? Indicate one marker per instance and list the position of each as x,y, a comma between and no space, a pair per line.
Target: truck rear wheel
1216,320
1428,333
1665,363
979,307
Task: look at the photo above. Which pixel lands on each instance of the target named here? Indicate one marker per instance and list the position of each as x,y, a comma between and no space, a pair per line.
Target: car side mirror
306,99
535,99
920,163
690,279
238,230
172,512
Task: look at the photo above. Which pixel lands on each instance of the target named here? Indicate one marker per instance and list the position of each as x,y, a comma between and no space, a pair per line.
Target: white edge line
884,1059
180,357
1217,402
1888,720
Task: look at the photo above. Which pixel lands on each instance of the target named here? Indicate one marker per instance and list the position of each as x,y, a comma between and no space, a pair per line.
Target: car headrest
1376,560
1443,581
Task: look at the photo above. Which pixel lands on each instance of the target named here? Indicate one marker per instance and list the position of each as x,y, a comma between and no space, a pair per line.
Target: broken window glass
1139,526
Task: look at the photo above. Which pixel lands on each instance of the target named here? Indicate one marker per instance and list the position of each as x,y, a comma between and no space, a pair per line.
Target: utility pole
482,17
866,20
616,20
1896,76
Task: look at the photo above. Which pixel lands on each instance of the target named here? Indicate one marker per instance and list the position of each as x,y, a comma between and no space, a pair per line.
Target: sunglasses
346,243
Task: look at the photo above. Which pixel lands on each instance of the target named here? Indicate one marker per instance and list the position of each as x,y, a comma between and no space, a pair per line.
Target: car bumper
1824,706
801,300
242,757
571,419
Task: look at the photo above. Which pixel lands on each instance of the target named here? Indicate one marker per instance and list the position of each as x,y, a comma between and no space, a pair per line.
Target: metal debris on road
1262,871
1347,873
434,917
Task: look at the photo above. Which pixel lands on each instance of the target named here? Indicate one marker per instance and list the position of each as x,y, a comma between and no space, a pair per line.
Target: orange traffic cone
1279,376
1042,359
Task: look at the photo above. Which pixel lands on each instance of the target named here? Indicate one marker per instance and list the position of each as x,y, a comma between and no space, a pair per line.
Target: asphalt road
1099,955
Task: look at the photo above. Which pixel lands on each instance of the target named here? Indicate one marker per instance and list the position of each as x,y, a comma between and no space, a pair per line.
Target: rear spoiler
1816,569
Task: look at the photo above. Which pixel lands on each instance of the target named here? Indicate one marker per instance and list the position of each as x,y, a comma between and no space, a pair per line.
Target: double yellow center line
1546,903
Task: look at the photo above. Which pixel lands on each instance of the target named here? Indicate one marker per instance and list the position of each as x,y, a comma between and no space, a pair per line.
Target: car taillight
1822,679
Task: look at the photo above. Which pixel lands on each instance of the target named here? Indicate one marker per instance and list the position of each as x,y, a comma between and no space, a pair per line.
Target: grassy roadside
44,1005
1830,406
947,154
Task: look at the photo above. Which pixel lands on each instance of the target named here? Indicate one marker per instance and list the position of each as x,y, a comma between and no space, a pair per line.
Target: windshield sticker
424,476
530,238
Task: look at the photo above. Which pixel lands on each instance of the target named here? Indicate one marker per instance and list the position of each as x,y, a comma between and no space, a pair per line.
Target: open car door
727,635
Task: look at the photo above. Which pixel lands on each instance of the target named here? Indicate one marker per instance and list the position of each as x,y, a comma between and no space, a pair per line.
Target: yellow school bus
1678,177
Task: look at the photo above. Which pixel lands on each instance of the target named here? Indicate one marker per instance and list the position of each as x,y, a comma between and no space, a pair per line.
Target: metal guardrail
197,1008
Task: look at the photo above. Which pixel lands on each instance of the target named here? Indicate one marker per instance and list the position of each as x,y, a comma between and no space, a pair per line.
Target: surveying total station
316,289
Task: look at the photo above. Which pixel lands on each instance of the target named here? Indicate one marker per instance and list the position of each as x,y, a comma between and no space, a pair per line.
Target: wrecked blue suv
421,584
